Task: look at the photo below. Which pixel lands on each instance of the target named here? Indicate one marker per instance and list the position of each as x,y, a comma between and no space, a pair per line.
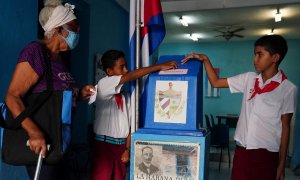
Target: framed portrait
166,160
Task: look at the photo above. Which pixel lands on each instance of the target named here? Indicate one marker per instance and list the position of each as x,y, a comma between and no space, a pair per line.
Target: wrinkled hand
86,92
37,142
125,156
168,65
200,57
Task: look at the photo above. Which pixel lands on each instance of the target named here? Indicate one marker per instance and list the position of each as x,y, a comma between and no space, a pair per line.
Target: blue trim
3,109
66,134
111,140
3,114
172,132
66,107
66,119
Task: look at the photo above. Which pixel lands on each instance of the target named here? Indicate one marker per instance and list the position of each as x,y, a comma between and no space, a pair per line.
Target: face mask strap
65,28
69,31
70,38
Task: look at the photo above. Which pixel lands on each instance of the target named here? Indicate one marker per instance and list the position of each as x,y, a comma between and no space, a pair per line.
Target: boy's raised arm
146,70
214,80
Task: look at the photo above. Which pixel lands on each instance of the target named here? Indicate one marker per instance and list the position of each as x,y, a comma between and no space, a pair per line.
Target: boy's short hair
273,44
110,57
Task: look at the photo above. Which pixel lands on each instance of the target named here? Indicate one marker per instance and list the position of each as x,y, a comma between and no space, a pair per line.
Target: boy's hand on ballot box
200,57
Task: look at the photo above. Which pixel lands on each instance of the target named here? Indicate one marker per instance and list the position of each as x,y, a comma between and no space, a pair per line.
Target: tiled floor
78,168
214,173
225,171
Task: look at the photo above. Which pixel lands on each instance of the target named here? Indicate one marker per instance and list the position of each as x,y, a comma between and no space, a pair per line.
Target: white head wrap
60,16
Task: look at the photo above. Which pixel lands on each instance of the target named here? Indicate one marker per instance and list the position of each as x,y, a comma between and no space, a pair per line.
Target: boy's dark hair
273,44
110,57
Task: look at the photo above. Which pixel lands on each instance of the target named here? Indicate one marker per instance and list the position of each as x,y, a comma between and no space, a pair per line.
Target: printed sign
173,71
170,101
166,160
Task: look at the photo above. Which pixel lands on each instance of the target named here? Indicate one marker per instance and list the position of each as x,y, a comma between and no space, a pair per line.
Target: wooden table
230,120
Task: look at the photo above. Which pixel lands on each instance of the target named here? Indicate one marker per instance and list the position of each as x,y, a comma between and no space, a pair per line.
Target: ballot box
170,144
170,157
173,99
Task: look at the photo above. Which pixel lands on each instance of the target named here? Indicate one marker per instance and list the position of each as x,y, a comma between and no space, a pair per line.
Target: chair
232,122
212,120
208,125
220,139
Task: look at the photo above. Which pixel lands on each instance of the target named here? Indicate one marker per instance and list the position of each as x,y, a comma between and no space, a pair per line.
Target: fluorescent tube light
183,21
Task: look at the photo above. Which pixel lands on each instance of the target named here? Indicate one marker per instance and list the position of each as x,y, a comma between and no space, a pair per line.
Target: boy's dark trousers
254,164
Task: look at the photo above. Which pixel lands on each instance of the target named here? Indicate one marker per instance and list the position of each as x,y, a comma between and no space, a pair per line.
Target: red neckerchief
268,88
119,100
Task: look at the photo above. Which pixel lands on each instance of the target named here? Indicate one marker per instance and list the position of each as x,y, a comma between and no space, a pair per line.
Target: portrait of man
146,166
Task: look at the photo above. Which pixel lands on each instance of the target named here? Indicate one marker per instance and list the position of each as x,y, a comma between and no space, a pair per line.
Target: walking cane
39,163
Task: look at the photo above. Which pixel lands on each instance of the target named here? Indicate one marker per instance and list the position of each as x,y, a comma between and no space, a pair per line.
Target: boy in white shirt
269,101
112,123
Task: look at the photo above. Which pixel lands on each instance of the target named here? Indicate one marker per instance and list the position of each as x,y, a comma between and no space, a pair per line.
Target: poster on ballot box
160,160
170,102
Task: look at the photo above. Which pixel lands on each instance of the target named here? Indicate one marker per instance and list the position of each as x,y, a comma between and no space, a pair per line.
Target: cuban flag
152,33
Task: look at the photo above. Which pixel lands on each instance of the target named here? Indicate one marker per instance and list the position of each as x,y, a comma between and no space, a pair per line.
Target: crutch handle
48,145
39,162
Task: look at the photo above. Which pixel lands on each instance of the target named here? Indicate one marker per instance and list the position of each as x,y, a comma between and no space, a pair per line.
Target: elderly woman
61,34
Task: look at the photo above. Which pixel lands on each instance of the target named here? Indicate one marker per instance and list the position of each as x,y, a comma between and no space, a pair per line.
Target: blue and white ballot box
174,99
169,144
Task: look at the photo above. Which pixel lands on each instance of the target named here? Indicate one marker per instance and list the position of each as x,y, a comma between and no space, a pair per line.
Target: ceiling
207,18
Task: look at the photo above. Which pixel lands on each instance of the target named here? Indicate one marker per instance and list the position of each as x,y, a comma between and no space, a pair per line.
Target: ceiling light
194,37
272,32
278,16
183,21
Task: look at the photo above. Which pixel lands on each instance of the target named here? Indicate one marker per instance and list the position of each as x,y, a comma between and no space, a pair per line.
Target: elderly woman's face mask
72,38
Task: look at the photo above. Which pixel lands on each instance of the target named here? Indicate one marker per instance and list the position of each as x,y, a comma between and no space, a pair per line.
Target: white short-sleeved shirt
109,120
259,124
